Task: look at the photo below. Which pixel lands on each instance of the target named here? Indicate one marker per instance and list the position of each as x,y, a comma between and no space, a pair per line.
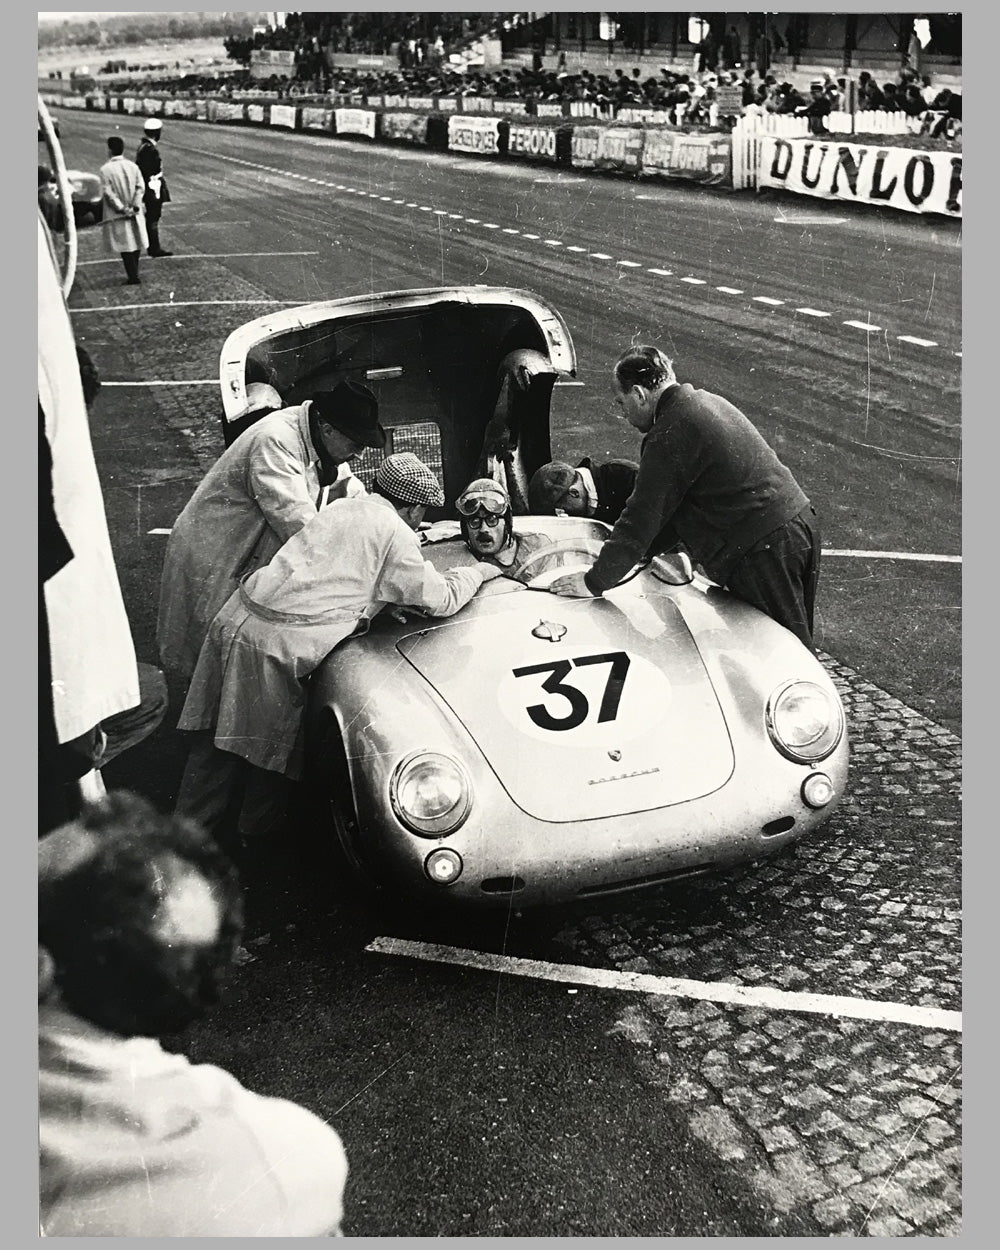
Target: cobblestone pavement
856,1124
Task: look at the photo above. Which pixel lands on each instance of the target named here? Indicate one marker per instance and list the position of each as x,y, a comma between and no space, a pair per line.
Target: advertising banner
903,178
151,107
317,119
130,104
355,122
551,109
225,111
272,63
283,115
699,158
255,112
409,126
477,104
447,104
200,110
478,135
606,147
535,142
420,102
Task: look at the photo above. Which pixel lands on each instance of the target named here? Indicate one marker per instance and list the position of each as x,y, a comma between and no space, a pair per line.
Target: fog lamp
817,790
443,866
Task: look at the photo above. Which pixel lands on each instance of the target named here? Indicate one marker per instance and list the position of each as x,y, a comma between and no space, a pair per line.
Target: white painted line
151,382
959,354
662,273
192,303
863,325
159,531
567,382
440,212
454,216
425,208
572,247
812,312
205,256
386,199
413,205
695,281
532,236
629,264
729,290
766,299
399,202
894,555
810,221
908,338
601,256
473,221
510,230
552,242
490,225
675,987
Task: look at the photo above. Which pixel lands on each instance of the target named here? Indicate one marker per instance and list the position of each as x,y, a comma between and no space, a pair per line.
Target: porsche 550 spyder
532,748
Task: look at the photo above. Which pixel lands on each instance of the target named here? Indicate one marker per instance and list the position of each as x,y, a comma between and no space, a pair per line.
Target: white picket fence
750,130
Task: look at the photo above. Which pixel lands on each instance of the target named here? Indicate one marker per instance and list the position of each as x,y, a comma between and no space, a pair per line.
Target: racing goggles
492,503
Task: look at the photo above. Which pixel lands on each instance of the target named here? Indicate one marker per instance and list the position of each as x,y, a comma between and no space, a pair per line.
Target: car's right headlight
805,721
430,793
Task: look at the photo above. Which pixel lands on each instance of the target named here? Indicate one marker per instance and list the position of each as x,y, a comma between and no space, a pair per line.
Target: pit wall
646,146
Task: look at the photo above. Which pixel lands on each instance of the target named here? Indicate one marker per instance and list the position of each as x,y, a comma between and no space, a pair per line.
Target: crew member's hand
572,586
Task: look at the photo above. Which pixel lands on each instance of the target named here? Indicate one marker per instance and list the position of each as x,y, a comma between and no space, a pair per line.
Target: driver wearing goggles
488,529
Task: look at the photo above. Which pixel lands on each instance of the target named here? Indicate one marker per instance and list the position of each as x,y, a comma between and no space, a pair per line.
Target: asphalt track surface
489,1102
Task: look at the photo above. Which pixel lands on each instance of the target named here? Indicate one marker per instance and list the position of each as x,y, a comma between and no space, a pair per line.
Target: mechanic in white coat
247,695
261,491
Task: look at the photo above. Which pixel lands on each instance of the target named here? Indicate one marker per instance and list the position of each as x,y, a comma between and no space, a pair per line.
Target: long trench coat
124,219
260,492
325,584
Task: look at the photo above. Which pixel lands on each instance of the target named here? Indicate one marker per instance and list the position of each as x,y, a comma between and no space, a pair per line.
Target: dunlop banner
317,119
355,122
283,115
904,178
699,158
478,135
409,126
535,142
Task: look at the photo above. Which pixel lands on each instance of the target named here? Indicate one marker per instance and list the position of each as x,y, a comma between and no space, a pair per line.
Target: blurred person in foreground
139,920
247,698
123,219
709,480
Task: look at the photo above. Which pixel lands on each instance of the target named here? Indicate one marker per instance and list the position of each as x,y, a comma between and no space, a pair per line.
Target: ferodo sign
904,178
537,141
355,122
480,135
699,158
409,126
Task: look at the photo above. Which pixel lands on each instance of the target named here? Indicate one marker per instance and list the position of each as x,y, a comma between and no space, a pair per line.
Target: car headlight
805,721
430,793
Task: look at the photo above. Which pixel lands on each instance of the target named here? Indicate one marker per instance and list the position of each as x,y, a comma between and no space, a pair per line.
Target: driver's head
558,485
485,516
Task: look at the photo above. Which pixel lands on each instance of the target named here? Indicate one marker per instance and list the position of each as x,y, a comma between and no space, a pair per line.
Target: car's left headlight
430,793
805,721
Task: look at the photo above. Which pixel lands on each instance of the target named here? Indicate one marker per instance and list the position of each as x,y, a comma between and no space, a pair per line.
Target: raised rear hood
583,708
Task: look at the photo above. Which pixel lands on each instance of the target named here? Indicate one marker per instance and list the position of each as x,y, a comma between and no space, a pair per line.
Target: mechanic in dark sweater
709,480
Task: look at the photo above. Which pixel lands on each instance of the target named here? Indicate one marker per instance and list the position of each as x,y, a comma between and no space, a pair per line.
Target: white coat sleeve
407,578
277,481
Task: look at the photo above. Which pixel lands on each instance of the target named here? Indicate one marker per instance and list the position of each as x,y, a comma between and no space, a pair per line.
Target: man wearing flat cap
266,485
156,194
246,700
591,490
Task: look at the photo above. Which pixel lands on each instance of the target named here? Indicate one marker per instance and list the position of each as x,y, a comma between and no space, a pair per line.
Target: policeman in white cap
148,158
325,584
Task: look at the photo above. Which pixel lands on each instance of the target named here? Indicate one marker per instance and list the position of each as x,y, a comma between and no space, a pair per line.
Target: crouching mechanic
589,490
247,695
487,525
139,920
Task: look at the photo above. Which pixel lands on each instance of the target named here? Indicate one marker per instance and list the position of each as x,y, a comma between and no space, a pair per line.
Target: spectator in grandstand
816,109
123,218
139,922
890,100
870,97
157,193
913,102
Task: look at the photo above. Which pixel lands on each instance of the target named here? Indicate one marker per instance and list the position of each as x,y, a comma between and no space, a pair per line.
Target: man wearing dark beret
261,491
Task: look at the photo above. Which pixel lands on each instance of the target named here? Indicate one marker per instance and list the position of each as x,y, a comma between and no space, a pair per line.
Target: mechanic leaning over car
139,924
589,489
708,479
246,700
260,492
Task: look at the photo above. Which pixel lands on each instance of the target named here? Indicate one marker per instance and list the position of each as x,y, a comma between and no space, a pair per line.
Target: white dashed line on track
629,264
552,242
490,225
863,325
510,230
909,338
767,997
456,217
893,555
473,221
532,236
695,281
574,248
766,299
812,312
159,531
726,290
661,273
601,256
